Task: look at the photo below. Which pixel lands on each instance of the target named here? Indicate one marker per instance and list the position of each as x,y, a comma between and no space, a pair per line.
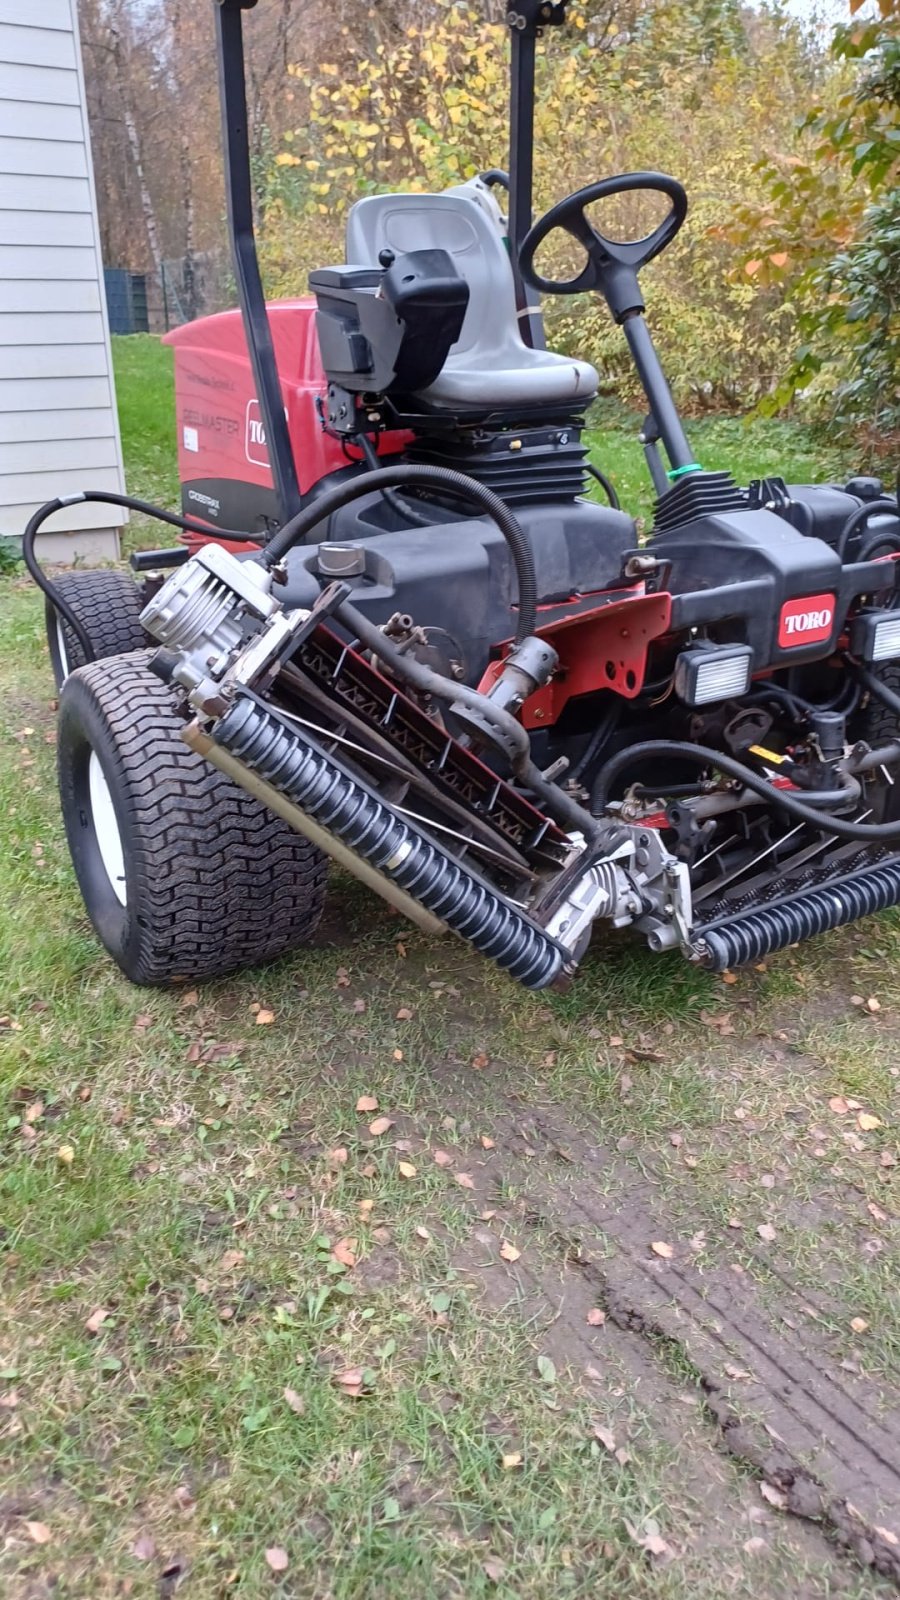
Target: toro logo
808,620
255,440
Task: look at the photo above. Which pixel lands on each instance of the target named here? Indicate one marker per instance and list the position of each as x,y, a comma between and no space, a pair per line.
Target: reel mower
425,653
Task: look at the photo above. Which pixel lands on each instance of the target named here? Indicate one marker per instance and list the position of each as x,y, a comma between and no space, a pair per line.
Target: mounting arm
239,193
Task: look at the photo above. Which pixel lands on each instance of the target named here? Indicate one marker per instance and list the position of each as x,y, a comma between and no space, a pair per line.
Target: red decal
809,620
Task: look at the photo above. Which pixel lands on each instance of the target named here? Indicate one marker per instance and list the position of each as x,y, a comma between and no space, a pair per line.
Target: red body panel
223,463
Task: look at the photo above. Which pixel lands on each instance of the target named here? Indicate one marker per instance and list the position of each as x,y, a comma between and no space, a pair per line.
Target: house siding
58,425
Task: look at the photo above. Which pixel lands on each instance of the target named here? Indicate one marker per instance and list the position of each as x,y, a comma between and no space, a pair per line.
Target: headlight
875,635
713,672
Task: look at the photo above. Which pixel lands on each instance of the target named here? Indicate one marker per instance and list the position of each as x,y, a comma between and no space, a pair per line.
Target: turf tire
213,881
877,725
108,605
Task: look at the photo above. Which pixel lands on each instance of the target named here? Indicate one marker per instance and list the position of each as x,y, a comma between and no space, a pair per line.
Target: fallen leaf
95,1321
144,1547
480,1061
276,1558
422,1233
367,1102
404,1014
34,1112
406,1169
264,1018
338,1157
184,1500
872,1004
839,1104
596,1317
676,1140
774,1496
730,977
876,1212
397,1055
189,998
359,1005
345,1252
886,1534
755,1545
660,1248
768,1180
343,978
485,1142
509,1252
232,1259
465,1180
380,1125
606,1436
65,1154
442,1158
295,1401
513,1459
867,1121
766,1232
38,1532
493,1570
859,1324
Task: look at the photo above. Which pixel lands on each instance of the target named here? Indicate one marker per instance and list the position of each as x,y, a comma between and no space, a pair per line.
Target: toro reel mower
401,636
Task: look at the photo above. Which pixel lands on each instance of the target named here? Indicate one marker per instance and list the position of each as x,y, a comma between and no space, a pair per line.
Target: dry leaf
263,1018
660,1248
876,1212
144,1547
867,1122
442,1158
295,1401
404,1014
774,1496
367,1102
380,1125
486,1143
886,1534
338,1157
189,998
397,1055
96,1319
596,1317
872,1004
38,1532
606,1436
509,1252
465,1180
65,1154
359,1006
754,1545
859,1324
766,1232
277,1558
513,1459
730,977
33,1113
406,1169
480,1061
493,1569
839,1104
343,978
422,1233
232,1259
345,1252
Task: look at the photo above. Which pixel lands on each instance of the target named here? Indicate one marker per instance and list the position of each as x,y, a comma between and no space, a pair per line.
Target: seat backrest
465,221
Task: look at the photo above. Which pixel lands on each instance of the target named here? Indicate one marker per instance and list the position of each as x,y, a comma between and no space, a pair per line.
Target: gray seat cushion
489,366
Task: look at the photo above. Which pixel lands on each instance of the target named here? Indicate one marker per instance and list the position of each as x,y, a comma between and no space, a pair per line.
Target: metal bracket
533,15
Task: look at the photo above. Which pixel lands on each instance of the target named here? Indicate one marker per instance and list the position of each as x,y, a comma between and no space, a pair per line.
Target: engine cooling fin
757,933
349,811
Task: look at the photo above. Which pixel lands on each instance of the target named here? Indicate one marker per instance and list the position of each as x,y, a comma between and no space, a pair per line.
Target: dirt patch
827,1447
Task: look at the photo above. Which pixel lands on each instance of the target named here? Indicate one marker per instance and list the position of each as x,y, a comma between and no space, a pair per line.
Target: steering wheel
612,264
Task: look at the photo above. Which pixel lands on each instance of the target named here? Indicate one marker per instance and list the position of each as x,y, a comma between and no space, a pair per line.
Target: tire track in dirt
811,1434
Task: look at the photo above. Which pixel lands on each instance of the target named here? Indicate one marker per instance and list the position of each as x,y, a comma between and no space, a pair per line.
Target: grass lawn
342,1278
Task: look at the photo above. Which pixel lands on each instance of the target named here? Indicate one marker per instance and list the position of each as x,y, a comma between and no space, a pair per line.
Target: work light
712,672
875,635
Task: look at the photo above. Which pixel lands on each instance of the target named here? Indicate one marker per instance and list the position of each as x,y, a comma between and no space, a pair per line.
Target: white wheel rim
64,668
106,828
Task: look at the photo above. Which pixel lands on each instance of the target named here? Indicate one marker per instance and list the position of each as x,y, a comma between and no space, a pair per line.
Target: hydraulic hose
104,497
452,483
403,509
605,483
512,736
859,517
702,755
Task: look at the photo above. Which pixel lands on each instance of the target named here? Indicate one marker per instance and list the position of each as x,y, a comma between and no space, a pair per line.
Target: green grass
169,1161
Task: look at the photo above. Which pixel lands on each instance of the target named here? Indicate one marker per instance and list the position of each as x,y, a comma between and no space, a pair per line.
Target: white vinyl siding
58,425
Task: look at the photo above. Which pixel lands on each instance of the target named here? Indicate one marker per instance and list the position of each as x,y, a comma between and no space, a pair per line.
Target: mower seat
489,368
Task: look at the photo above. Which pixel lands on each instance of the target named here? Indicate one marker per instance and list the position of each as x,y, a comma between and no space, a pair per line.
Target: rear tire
878,724
183,874
108,606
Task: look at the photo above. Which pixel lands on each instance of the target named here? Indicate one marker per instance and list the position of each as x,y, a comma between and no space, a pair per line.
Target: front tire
877,724
108,605
183,874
